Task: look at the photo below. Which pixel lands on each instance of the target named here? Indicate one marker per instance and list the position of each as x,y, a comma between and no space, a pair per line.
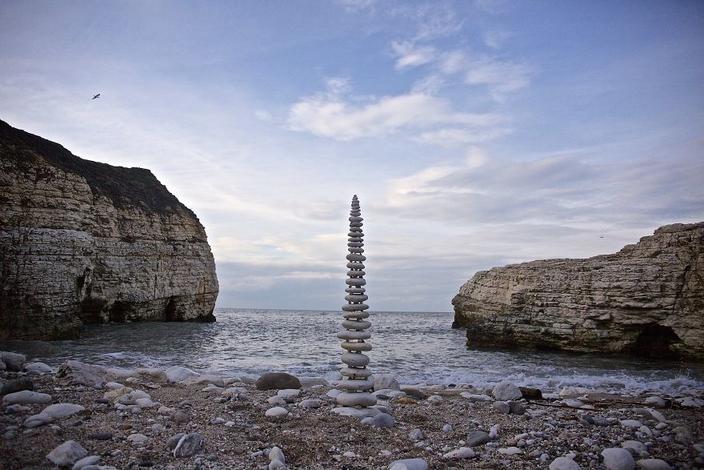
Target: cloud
433,20
559,190
330,114
358,5
409,55
501,77
496,39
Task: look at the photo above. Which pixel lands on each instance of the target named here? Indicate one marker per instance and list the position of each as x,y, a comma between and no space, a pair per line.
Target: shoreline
429,422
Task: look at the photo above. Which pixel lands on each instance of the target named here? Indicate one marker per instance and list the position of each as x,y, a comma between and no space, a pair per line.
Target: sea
418,347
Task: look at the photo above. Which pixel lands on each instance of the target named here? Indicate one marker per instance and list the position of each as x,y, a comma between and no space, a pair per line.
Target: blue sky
475,133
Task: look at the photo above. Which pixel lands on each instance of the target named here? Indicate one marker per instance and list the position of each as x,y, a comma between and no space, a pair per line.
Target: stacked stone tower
357,381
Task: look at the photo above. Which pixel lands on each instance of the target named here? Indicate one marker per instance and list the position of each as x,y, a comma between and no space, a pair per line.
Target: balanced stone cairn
357,382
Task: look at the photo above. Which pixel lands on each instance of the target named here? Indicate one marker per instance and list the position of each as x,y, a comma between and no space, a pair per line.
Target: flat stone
653,464
177,374
573,403
564,463
84,374
416,435
276,412
635,447
510,451
656,401
311,403
277,381
62,410
379,420
189,445
86,461
16,385
355,412
476,397
67,454
409,464
447,428
289,394
138,439
37,420
458,454
355,399
276,401
617,458
38,368
100,436
477,438
26,397
630,423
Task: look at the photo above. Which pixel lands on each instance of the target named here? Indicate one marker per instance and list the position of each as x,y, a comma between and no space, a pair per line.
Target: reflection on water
419,347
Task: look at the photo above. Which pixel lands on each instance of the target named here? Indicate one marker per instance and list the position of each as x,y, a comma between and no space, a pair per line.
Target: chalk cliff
648,299
86,242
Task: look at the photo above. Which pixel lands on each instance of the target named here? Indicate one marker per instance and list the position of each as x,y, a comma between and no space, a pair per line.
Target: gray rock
189,445
138,439
416,435
510,451
386,381
617,458
477,438
13,362
84,374
276,412
67,454
506,391
276,454
564,463
502,407
12,386
26,397
277,381
86,461
476,397
178,374
100,436
531,393
652,464
62,410
459,454
38,368
631,423
37,420
656,401
635,447
173,441
517,408
288,394
447,428
409,464
311,403
16,409
381,420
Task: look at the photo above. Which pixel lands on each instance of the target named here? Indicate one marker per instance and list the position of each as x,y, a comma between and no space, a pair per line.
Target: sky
476,133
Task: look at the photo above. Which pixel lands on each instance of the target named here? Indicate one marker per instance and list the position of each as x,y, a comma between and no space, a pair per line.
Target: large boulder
13,362
277,381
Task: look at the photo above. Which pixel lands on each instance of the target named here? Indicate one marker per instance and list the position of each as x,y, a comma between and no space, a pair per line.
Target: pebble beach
93,417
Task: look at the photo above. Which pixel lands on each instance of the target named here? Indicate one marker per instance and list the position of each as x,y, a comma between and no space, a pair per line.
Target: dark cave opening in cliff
655,341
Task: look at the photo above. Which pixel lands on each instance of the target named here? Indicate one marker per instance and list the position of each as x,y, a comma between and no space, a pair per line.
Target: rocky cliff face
648,299
86,242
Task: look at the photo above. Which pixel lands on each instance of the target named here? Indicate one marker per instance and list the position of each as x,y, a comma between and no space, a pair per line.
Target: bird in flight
96,96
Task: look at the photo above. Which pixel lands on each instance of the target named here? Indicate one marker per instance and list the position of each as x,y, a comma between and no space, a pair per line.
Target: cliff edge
646,299
87,242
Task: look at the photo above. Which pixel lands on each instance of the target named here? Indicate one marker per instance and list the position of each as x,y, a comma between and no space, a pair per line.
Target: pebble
276,401
416,435
288,394
173,440
477,438
189,445
502,407
177,374
494,431
38,368
15,409
635,447
517,408
100,436
62,410
656,401
26,397
617,458
67,454
277,381
276,412
653,464
138,439
447,428
277,454
381,420
435,399
461,453
564,463
409,464
510,451
311,403
631,423
13,362
573,403
506,391
180,417
86,461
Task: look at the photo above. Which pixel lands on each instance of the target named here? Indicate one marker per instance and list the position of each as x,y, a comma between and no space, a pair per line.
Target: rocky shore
92,417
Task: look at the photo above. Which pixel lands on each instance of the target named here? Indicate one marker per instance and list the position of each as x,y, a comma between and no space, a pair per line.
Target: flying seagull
96,96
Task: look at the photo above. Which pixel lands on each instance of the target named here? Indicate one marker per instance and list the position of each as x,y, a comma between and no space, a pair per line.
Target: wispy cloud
410,55
331,114
496,39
